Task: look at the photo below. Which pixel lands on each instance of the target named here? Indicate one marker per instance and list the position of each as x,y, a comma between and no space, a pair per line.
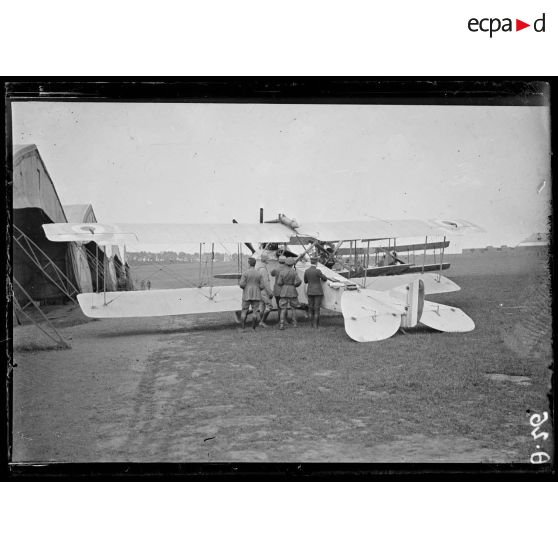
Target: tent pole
18,308
61,342
424,253
104,282
96,267
33,257
32,250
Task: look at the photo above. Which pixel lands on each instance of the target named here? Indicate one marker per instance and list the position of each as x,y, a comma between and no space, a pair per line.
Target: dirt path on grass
195,389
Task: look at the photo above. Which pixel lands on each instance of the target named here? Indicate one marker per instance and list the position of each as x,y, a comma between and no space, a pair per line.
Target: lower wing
166,302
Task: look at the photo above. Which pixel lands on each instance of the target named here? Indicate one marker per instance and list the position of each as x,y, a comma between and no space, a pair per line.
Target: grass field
193,388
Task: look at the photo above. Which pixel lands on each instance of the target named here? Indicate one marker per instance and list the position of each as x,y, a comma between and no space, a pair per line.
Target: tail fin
414,303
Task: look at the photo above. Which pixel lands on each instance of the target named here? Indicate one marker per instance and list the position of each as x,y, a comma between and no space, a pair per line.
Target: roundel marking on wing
91,228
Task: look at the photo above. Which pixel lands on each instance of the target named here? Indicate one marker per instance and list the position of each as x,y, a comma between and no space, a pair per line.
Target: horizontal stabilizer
433,283
446,318
367,318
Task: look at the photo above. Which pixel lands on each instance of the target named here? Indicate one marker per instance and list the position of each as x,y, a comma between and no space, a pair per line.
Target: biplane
368,282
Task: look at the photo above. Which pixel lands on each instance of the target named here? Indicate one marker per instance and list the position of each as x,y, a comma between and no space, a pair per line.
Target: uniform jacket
288,281
275,273
314,277
251,282
265,278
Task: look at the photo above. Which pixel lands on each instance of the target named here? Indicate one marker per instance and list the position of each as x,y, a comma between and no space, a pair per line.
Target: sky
210,163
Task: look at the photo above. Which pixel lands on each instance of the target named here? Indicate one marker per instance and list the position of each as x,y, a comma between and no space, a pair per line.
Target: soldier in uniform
288,281
266,303
251,283
275,273
315,292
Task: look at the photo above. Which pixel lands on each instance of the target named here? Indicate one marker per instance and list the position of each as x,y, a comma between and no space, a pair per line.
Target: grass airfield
195,389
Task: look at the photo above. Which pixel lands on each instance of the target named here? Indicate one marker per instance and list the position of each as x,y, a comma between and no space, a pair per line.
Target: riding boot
243,316
282,316
295,324
256,320
264,318
311,316
317,318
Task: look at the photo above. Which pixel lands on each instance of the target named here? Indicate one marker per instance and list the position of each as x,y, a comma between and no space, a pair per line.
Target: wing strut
441,260
367,261
200,273
211,275
307,249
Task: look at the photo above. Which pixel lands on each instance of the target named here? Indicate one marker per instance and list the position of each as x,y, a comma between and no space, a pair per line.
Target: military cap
252,261
290,261
313,260
282,259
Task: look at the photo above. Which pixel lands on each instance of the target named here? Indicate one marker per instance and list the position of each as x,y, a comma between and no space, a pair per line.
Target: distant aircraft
375,300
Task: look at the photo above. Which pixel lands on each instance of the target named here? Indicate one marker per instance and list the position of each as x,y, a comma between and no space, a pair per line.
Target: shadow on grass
204,325
327,324
32,347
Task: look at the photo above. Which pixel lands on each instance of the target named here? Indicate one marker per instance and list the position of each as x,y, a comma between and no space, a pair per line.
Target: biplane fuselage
375,304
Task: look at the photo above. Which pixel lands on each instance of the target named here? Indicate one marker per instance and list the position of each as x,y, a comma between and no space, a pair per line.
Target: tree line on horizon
178,257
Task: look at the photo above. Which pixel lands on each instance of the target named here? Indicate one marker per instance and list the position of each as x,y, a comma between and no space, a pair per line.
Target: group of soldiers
258,294
145,284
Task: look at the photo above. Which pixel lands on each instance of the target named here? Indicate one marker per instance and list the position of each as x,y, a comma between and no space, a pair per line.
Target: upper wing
377,229
130,234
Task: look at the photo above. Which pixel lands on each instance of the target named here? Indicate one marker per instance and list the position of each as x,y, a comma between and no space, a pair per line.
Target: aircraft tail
446,318
368,318
414,303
